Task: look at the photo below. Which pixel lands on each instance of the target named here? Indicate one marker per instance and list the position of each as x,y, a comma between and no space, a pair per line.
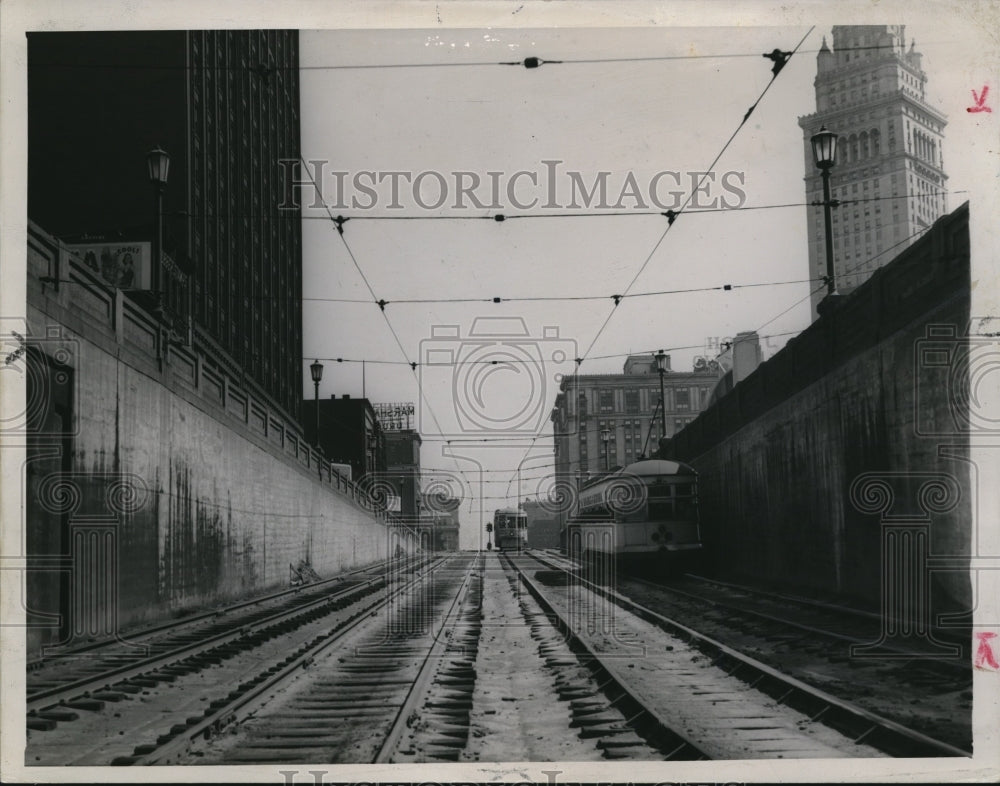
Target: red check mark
984,655
980,101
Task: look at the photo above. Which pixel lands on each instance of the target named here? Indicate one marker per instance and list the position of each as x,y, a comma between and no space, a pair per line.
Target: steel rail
137,636
418,689
645,719
46,698
736,605
792,598
947,636
878,732
222,714
897,653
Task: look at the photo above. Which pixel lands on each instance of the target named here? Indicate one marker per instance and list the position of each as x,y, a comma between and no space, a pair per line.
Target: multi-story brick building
889,174
402,467
349,433
602,421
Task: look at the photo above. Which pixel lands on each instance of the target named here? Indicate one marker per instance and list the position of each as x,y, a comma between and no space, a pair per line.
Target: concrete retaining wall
157,479
847,428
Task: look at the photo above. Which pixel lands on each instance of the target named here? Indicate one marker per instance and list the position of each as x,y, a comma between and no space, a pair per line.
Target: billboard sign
395,416
121,265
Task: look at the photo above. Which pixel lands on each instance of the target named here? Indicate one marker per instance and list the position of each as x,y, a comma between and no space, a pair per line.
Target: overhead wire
264,70
780,59
338,224
557,475
669,213
627,292
848,271
515,361
292,215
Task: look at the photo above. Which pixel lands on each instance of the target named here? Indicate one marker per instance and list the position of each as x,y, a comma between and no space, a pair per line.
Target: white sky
642,117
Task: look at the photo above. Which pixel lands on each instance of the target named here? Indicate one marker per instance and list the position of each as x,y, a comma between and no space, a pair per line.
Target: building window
682,398
606,401
631,400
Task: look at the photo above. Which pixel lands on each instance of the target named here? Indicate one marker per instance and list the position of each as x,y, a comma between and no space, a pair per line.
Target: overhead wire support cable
672,215
846,272
265,70
339,222
671,218
517,361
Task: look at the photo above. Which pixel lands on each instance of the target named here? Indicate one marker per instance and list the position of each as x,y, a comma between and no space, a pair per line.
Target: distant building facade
738,361
440,519
349,433
626,407
402,470
889,174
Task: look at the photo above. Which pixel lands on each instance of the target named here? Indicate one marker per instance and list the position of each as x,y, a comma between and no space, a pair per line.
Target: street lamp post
158,168
661,367
316,370
605,438
824,146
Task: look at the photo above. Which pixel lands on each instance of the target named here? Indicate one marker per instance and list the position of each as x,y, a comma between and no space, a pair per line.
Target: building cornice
883,100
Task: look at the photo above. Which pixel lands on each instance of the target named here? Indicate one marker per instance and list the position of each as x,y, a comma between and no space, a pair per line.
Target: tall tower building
889,173
225,105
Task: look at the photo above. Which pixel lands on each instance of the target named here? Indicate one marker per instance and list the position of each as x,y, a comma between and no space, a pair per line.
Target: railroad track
68,674
101,675
359,693
525,697
601,704
412,689
803,622
854,722
141,639
812,617
481,657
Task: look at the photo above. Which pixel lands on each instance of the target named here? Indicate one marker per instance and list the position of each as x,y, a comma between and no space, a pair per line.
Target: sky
435,102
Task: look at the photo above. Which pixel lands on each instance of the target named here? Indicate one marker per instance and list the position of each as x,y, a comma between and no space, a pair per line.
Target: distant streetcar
510,529
642,516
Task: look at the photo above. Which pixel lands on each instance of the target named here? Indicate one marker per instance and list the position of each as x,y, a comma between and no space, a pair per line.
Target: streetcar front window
660,508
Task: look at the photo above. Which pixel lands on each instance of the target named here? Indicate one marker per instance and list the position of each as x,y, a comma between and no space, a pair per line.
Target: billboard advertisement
119,264
395,416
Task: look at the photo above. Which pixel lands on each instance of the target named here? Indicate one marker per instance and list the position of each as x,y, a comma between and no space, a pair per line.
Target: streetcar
642,517
510,529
